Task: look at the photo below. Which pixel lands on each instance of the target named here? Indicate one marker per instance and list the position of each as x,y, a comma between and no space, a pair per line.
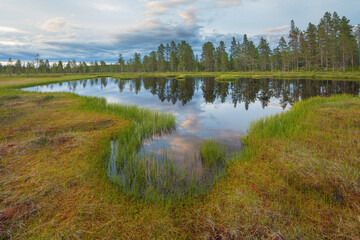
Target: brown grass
53,181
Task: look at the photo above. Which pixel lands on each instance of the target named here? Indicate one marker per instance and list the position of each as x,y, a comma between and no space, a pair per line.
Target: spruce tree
207,56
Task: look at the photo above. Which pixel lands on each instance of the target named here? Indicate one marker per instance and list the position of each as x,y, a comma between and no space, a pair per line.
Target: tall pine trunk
343,57
359,56
333,59
322,59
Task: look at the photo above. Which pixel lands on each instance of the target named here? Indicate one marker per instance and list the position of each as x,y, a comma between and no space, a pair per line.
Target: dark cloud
143,38
154,31
139,39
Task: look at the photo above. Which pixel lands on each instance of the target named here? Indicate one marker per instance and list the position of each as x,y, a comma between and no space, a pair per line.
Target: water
204,109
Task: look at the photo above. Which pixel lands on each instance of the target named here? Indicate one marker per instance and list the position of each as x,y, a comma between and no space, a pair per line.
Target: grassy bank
298,177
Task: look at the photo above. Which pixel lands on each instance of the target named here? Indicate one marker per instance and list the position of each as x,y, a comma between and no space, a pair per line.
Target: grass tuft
212,153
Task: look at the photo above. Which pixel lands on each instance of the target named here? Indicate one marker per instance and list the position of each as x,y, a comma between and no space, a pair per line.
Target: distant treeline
333,45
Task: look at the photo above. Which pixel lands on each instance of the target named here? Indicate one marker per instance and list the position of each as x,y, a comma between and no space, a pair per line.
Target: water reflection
204,108
245,91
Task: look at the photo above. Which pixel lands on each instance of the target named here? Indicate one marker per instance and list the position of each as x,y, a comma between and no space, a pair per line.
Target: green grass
323,172
297,178
212,153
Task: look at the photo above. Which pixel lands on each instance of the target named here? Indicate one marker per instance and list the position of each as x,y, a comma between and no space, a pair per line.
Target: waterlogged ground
204,109
297,182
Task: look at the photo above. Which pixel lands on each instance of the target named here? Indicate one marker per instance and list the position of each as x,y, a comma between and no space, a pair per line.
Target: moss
297,178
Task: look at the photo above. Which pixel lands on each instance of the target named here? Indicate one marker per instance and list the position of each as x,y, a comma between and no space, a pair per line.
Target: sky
88,30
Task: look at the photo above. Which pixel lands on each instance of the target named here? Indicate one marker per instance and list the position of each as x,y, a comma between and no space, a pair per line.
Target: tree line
333,44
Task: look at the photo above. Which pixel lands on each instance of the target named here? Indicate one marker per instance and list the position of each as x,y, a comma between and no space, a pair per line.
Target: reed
213,154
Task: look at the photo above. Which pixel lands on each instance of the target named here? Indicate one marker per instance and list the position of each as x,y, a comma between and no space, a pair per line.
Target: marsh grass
297,178
332,173
146,176
212,153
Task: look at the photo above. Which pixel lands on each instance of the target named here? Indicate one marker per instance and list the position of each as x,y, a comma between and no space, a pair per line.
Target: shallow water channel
204,109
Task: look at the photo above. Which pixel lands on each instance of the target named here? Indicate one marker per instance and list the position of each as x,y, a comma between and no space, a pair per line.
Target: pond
204,109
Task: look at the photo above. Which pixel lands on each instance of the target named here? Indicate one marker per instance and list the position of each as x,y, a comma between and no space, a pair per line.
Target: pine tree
252,51
37,59
357,34
121,63
218,54
186,56
310,37
96,66
146,64
304,51
334,34
167,56
18,67
224,61
245,52
264,52
346,39
233,54
283,51
60,67
327,22
322,39
161,58
173,57
137,62
153,61
207,56
9,67
294,44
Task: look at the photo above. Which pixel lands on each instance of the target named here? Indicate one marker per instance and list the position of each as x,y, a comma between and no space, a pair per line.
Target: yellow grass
298,184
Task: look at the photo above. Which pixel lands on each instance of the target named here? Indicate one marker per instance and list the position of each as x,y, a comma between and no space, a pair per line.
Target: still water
204,108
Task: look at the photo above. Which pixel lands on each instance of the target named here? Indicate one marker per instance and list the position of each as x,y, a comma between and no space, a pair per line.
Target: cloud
11,43
154,31
189,15
77,26
105,7
163,7
54,25
229,3
9,30
277,29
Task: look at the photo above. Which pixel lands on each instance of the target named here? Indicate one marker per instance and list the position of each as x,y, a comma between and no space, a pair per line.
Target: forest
331,45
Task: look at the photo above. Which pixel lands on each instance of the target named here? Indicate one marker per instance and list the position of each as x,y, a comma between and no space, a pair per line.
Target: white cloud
189,15
277,29
162,7
229,3
105,7
54,25
9,30
11,43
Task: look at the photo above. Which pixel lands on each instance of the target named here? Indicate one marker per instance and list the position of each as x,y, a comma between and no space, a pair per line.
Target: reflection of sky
197,119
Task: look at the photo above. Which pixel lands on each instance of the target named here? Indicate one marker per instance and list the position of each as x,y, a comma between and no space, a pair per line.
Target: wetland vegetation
297,177
179,161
